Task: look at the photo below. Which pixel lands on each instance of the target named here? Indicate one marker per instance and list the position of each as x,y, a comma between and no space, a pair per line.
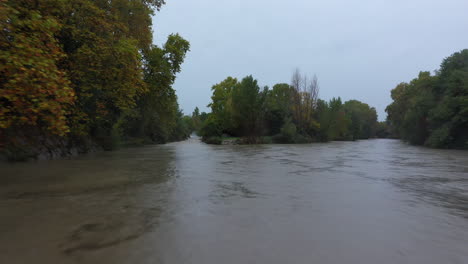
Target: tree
221,103
35,95
334,123
449,119
247,106
196,121
158,108
432,109
363,119
278,106
85,70
304,102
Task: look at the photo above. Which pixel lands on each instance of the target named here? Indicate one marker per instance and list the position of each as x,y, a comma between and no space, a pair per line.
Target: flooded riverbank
187,202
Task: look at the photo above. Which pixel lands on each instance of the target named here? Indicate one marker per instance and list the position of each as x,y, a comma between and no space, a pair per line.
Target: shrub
213,140
288,133
211,128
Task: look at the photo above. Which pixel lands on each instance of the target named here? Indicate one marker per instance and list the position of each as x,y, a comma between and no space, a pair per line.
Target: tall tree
247,105
34,93
221,103
305,98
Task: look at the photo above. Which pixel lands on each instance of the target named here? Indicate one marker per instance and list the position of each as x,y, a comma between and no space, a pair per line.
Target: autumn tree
35,94
304,102
84,69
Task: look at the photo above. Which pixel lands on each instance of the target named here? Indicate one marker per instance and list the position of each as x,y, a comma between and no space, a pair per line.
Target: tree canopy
288,113
432,110
87,69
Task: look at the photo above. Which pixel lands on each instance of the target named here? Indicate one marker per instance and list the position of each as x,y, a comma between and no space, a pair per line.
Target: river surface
374,201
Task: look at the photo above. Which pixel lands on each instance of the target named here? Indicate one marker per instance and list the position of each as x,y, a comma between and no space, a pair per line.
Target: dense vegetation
76,74
287,113
432,110
79,71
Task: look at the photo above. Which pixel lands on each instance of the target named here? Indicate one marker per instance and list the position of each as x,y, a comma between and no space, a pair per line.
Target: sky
359,49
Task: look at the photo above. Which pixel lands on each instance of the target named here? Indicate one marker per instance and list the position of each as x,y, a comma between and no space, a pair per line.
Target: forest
79,74
432,109
286,113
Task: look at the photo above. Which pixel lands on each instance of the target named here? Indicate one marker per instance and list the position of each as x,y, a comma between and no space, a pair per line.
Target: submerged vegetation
78,73
287,113
432,110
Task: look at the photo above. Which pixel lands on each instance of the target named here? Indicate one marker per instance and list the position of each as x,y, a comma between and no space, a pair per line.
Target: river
372,201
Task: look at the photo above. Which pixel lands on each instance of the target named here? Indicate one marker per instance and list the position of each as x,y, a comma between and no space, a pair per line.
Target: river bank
52,148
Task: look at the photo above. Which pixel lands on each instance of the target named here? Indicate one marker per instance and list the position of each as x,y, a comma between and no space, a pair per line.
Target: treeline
77,71
287,113
432,110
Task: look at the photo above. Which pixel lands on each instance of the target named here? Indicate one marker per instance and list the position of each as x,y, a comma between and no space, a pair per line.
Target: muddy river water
374,201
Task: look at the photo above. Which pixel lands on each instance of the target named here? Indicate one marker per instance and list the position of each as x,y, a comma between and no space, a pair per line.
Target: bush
440,138
211,128
213,140
288,133
300,139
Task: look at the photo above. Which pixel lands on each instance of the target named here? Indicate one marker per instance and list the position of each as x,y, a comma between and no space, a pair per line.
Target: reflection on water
340,202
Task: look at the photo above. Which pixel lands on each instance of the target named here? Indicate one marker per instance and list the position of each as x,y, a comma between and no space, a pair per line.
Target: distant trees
333,120
85,70
289,113
432,110
363,119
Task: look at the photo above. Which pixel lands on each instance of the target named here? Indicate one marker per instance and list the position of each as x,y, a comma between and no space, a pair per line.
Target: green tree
334,123
247,108
157,110
278,106
432,109
363,119
449,119
196,120
221,103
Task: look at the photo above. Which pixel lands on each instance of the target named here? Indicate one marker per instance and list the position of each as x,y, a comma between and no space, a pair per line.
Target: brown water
375,201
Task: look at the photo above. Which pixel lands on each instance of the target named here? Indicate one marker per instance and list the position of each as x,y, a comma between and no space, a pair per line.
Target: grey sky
359,49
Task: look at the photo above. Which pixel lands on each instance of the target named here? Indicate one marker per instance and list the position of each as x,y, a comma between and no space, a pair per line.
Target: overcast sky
359,49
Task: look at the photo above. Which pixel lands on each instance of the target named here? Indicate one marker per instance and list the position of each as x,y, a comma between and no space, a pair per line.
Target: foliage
157,110
334,121
432,110
213,140
304,103
82,69
196,121
211,128
382,130
279,106
34,92
221,102
288,133
246,109
284,114
363,119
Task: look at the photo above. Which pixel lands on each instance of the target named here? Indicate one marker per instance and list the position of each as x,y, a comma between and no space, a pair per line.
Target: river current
372,201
